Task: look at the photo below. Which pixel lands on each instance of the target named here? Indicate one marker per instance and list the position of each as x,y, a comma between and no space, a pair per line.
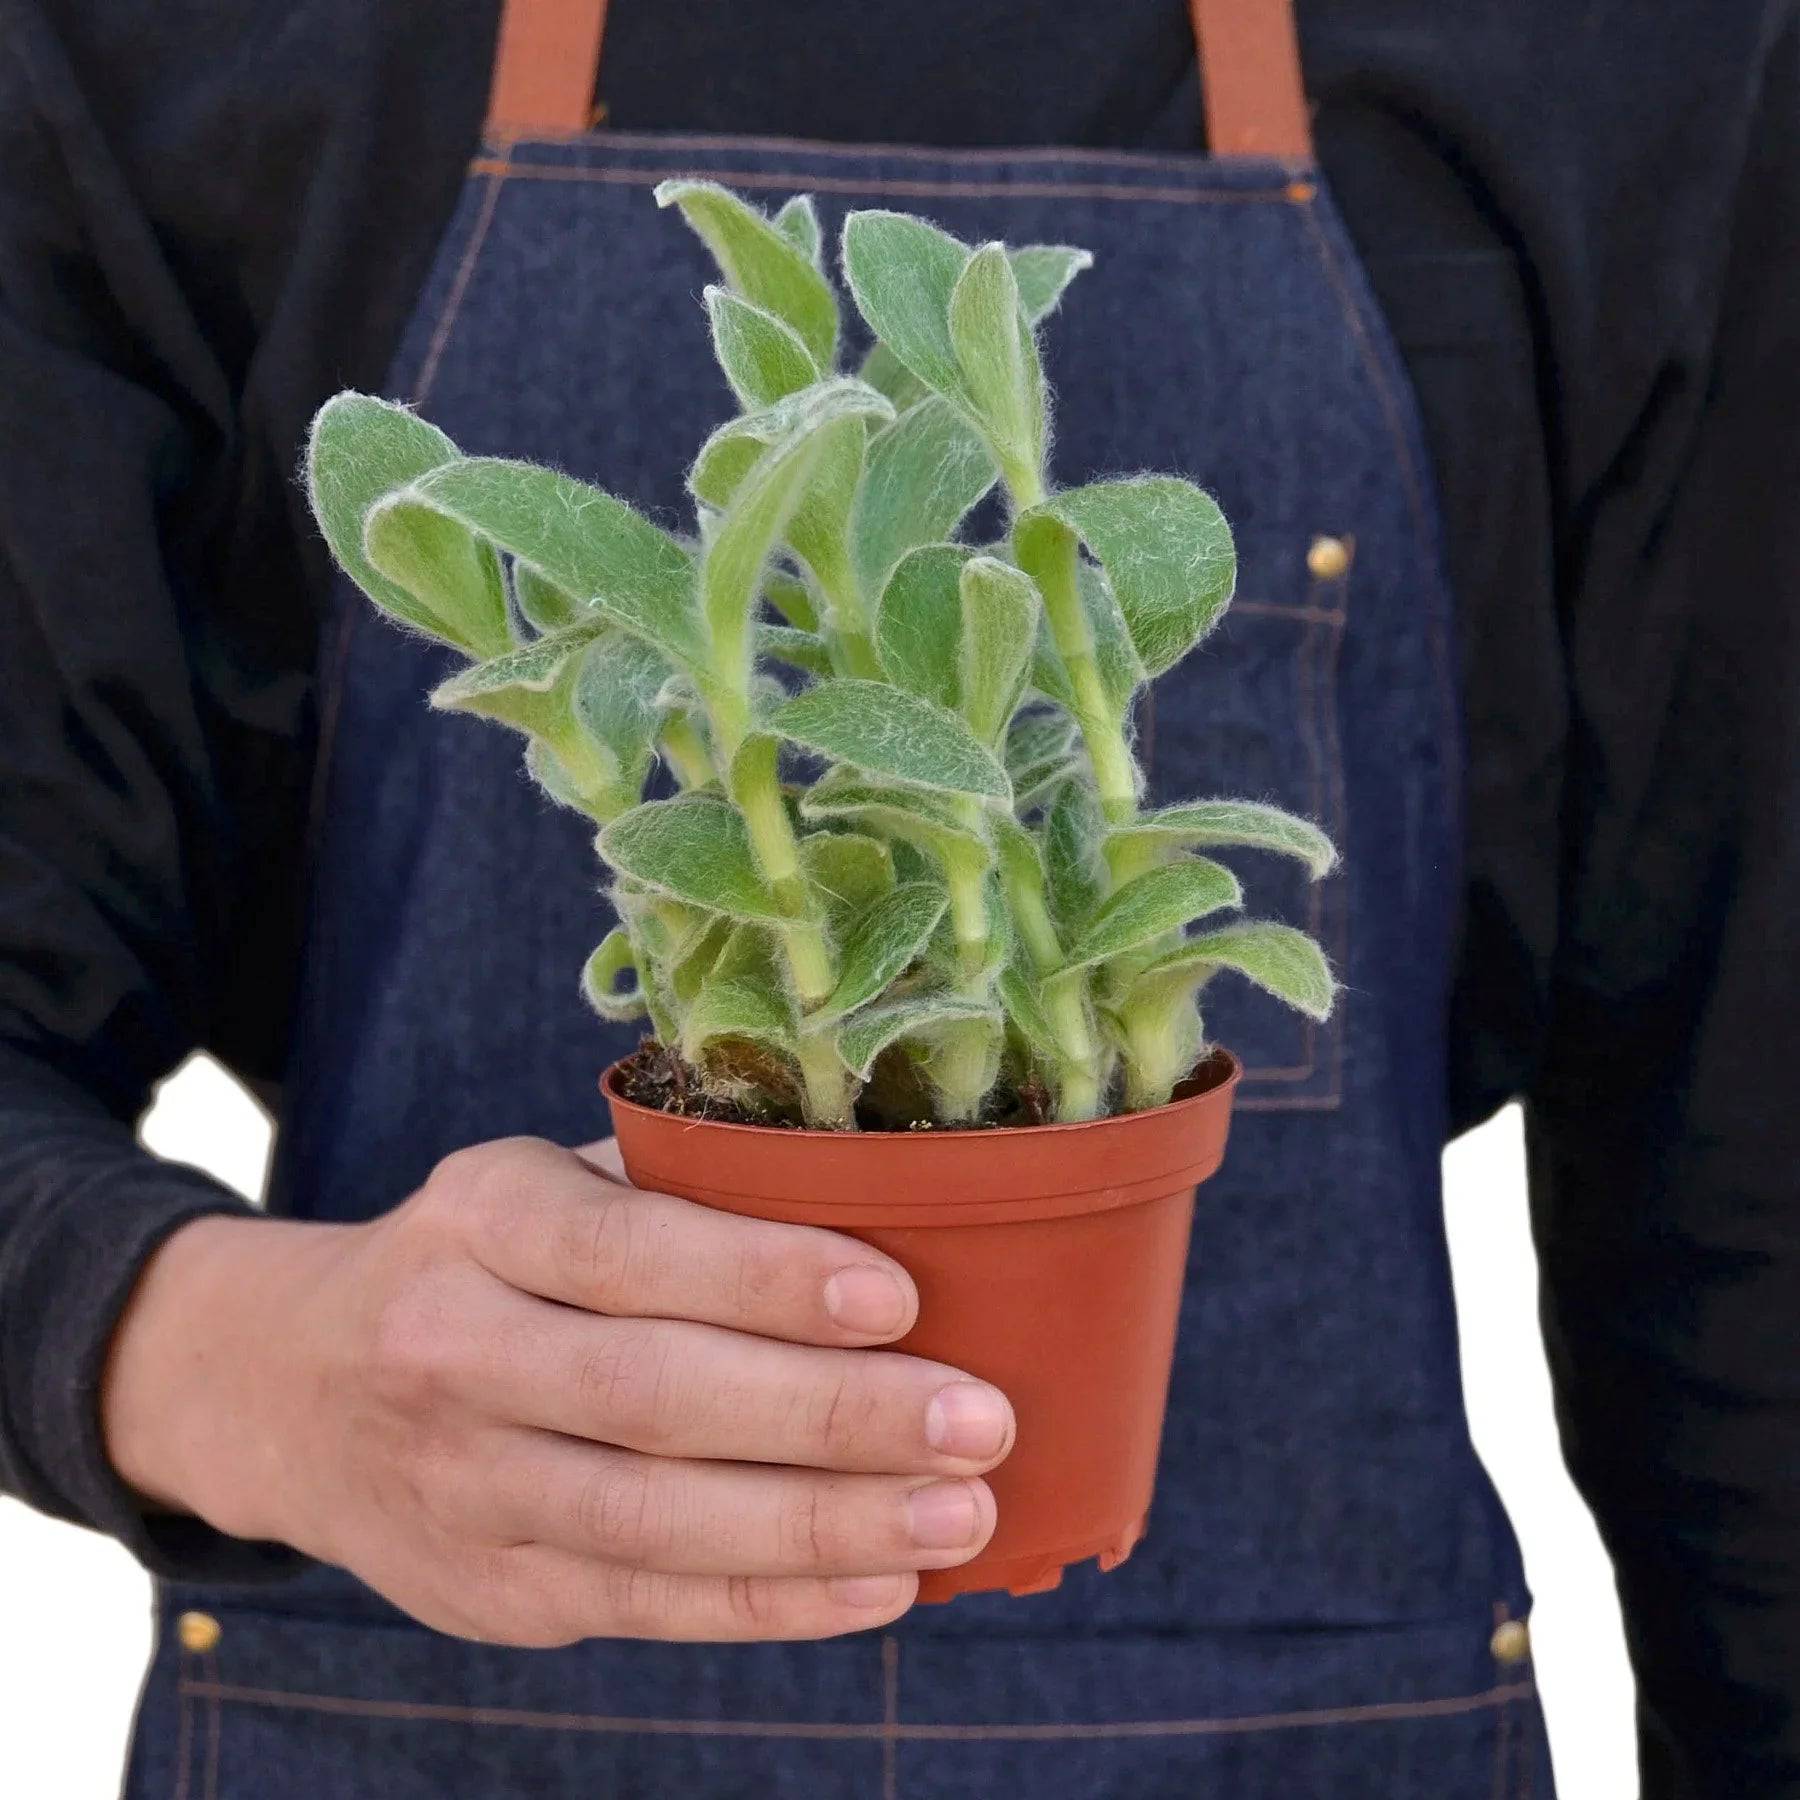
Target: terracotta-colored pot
1049,1261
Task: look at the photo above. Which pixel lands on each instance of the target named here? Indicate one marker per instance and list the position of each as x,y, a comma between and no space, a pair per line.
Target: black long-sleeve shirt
1584,224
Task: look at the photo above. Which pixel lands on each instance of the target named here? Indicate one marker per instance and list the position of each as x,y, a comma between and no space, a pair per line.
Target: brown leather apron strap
547,67
1250,78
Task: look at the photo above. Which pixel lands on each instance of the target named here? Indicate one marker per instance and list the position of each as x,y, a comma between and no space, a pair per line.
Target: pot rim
1224,1066
960,1177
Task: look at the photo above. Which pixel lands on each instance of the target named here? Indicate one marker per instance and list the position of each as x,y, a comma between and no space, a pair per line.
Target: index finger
570,1227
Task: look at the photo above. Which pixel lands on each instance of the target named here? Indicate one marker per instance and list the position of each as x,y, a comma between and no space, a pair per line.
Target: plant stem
827,1081
846,617
1031,913
1054,563
1055,568
962,1068
1078,1097
687,754
967,879
756,788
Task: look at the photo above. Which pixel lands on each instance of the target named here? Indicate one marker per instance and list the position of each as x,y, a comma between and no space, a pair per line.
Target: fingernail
867,1300
967,1418
944,1516
877,1592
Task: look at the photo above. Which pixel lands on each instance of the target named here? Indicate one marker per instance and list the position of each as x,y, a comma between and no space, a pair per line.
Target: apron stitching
213,1724
499,170
1502,1750
344,624
1396,412
651,140
1273,609
1381,1712
459,287
1528,1747
183,1741
1393,409
1331,647
890,1718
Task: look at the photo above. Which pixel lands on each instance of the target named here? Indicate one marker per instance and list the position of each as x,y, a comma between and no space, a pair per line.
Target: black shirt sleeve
1661,1122
209,217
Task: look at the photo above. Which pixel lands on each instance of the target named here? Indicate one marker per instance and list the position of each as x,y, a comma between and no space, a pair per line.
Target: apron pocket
1252,715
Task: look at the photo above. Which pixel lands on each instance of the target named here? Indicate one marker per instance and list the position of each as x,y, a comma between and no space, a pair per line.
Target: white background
74,1618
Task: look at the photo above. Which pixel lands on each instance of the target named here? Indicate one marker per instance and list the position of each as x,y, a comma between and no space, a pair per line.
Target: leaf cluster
906,867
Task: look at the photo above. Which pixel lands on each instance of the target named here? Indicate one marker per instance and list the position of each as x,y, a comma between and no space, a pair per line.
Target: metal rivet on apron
1511,1642
1328,559
198,1632
1301,191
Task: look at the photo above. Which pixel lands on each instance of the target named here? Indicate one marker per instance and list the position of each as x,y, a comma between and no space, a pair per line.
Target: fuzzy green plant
906,872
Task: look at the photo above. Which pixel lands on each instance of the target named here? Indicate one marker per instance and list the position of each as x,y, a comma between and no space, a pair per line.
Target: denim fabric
1311,1611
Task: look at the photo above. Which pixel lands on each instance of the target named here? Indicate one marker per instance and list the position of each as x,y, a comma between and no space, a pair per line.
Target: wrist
199,1392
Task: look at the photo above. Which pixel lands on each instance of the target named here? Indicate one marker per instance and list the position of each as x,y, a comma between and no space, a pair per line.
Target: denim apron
1329,1600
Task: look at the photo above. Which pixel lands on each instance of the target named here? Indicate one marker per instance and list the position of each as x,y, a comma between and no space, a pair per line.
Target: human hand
534,1404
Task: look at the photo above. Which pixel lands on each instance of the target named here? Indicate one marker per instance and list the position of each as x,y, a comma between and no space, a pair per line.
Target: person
468,1392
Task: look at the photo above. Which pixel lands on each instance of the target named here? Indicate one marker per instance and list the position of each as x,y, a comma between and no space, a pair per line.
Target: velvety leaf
1074,870
359,451
863,1036
804,650
847,870
738,1007
1019,997
542,766
798,222
1036,738
689,971
885,940
791,598
451,574
529,687
1167,553
617,704
1040,783
916,817
888,732
586,542
801,486
732,570
542,604
1000,610
1043,271
888,375
913,863
763,358
1103,624
669,929
760,262
918,623
1247,824
902,273
1020,854
1002,383
694,848
1277,958
725,460
923,474
749,951
608,962
1159,900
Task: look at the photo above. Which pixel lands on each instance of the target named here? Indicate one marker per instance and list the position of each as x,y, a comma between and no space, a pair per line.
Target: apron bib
1315,1608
